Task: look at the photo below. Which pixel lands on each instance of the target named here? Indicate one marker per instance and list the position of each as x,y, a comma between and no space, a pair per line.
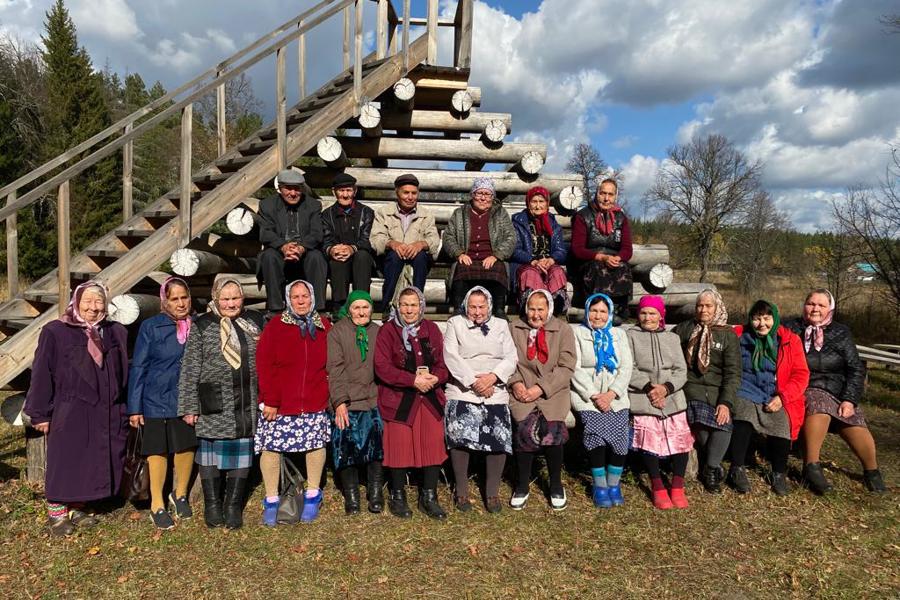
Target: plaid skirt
360,442
225,454
701,413
476,272
606,429
535,431
820,402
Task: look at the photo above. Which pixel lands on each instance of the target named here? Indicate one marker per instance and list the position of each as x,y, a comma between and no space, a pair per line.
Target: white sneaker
518,501
558,502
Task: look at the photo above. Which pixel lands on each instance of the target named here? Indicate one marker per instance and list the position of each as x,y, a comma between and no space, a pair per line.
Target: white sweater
468,352
586,382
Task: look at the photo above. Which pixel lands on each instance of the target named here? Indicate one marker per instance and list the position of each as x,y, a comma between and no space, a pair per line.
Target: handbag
290,498
135,472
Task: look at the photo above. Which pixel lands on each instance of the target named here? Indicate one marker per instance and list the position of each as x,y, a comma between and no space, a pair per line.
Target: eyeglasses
483,194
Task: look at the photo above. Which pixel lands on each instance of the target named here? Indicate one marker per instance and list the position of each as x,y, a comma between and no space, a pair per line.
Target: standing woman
661,428
356,437
409,365
601,244
541,401
77,399
770,400
600,397
481,357
217,395
836,378
293,395
153,400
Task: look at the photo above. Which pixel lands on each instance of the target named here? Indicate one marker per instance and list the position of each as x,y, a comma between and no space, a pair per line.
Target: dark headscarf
766,347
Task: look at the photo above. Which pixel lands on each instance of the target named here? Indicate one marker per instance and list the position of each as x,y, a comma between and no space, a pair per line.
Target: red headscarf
605,220
542,224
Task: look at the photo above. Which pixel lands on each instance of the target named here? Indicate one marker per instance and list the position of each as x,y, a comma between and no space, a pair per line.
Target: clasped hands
425,382
292,251
407,251
487,263
611,260
484,384
341,252
543,264
526,395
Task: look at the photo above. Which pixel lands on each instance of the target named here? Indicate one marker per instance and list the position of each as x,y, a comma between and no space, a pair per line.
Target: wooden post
127,177
280,108
221,134
405,37
431,56
301,62
357,59
62,246
12,250
36,455
346,38
462,40
187,186
381,30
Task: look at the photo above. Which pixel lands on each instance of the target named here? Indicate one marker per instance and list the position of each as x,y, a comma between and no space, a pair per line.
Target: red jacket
291,368
791,376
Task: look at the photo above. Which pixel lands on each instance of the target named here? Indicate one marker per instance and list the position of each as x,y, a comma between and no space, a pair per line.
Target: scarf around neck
306,323
814,335
604,350
362,333
229,343
537,338
73,317
699,346
605,220
766,347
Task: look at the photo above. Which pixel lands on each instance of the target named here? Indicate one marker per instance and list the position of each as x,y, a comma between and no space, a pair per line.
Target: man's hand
292,251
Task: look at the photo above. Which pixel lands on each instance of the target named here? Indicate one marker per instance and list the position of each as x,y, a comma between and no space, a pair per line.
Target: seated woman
153,400
657,402
410,369
217,395
713,358
540,402
600,397
77,400
836,377
356,436
770,400
601,246
293,394
481,357
540,253
479,237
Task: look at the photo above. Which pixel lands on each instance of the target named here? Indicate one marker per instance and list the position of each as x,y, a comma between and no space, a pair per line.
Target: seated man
347,225
406,235
290,229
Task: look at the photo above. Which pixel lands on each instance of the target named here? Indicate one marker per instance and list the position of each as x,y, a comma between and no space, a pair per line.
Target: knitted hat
482,183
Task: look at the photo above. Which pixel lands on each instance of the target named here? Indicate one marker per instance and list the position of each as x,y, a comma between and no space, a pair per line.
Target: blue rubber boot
615,496
311,507
270,513
601,497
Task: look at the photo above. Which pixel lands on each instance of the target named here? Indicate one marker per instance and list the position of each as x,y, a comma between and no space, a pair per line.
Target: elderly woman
153,401
481,357
356,436
657,402
770,400
713,359
410,369
600,397
836,377
601,244
293,395
217,395
540,402
479,237
536,262
77,399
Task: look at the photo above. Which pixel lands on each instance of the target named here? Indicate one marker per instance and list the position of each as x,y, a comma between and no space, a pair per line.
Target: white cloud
110,19
808,210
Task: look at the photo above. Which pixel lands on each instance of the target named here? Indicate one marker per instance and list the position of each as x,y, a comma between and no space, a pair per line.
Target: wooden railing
120,136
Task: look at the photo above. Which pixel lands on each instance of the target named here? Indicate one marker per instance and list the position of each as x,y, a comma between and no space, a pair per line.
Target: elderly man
290,229
405,234
347,225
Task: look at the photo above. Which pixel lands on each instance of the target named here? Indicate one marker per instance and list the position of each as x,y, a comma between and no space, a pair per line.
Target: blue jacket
523,252
155,367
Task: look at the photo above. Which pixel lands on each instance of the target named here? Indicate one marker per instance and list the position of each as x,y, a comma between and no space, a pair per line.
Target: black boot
375,487
814,478
397,504
713,478
234,502
212,501
874,481
428,504
738,478
780,484
350,488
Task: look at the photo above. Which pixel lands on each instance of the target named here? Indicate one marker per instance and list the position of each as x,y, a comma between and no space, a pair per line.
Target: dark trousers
459,289
393,266
276,272
357,269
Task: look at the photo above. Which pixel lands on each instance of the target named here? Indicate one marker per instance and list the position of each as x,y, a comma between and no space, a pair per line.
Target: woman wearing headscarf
217,395
713,358
481,357
600,397
77,399
540,253
601,243
411,373
770,400
356,436
658,405
540,387
153,401
293,396
479,237
836,378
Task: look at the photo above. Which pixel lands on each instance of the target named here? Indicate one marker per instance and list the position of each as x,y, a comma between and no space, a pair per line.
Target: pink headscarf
655,302
73,317
814,335
182,326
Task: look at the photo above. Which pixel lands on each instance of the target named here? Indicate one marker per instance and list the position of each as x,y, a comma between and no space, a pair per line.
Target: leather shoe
351,500
814,478
397,504
428,504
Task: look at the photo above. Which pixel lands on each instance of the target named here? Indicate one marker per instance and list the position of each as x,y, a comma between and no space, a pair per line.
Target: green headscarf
764,347
362,334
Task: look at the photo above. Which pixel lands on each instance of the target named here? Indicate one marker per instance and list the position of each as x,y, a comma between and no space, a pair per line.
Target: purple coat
85,405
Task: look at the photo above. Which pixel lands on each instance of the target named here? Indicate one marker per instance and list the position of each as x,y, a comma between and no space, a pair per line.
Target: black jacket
273,222
836,368
360,221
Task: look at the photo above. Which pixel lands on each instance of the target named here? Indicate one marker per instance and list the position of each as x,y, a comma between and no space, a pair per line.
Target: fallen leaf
300,549
473,549
93,550
122,578
382,579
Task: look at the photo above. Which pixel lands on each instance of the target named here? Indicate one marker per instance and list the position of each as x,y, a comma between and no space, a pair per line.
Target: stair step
95,253
131,232
255,147
233,164
41,296
210,180
81,276
11,326
163,213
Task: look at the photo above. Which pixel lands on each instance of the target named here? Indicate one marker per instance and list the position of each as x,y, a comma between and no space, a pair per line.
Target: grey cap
290,177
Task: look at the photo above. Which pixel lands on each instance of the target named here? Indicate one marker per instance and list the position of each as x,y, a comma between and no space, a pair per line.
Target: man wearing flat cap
290,229
404,234
347,225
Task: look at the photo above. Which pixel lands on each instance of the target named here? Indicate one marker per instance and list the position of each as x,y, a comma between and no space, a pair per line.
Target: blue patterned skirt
481,427
225,454
360,443
701,413
606,429
293,433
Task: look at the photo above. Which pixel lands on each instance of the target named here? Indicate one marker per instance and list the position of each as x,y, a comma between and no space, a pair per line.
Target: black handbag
135,473
290,499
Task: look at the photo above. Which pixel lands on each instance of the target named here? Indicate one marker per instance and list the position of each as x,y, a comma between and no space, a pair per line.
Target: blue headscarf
604,350
308,322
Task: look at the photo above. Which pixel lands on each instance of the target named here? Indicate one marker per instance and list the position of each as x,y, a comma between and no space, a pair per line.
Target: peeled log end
656,277
568,200
531,163
370,120
240,220
462,101
405,93
330,150
494,131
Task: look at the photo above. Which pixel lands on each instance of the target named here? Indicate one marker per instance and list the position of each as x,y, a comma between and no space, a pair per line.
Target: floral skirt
360,442
225,454
662,437
820,402
482,427
293,433
606,429
535,431
701,413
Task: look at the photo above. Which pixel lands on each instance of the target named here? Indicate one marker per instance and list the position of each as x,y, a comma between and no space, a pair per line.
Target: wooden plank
433,149
462,39
62,246
221,133
381,21
431,31
128,177
346,38
301,61
187,186
405,36
357,59
280,108
12,249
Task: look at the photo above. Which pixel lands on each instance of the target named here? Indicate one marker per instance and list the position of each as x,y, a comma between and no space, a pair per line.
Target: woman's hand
846,410
464,259
774,404
43,427
484,384
723,415
613,261
518,390
136,420
269,412
341,418
190,419
424,382
657,395
603,400
489,262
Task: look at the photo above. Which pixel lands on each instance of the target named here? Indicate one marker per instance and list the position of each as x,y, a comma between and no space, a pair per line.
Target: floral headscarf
408,330
700,344
604,351
308,322
230,345
73,317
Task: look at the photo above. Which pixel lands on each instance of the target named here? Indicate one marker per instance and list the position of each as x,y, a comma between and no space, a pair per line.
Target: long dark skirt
360,442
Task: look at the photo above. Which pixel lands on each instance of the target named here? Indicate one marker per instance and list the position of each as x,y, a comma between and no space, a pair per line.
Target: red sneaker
678,498
661,500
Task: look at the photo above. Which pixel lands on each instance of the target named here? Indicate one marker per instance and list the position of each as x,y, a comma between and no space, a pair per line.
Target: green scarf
362,334
765,347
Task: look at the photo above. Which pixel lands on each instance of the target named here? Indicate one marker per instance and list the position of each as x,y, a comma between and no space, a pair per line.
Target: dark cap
406,179
343,180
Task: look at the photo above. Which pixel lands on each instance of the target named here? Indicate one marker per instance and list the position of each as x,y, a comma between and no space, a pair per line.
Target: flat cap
406,179
290,177
343,180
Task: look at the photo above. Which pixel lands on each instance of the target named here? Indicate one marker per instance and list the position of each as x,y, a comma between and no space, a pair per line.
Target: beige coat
553,377
388,227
